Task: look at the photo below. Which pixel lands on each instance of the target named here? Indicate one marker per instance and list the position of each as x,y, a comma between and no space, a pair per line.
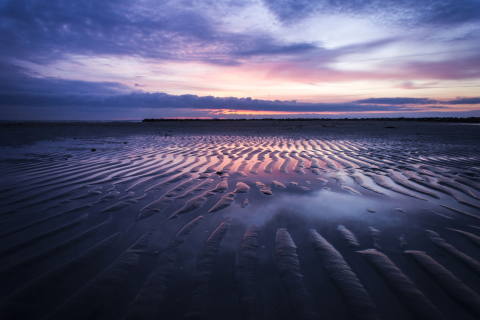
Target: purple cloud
474,100
20,88
47,31
397,101
160,100
412,11
419,101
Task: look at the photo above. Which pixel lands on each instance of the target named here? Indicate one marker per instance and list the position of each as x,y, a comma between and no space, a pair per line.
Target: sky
127,60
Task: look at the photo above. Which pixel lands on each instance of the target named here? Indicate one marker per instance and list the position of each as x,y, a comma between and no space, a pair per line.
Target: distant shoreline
402,119
17,133
428,119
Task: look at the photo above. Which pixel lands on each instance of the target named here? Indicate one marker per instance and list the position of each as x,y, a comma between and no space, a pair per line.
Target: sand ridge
241,220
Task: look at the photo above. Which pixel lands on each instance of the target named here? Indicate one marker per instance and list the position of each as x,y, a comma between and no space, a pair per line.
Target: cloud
18,80
411,11
183,31
171,32
20,88
308,69
419,101
160,100
267,47
397,101
45,31
437,107
473,100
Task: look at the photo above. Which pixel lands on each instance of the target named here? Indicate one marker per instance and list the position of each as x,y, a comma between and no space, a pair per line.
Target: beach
240,219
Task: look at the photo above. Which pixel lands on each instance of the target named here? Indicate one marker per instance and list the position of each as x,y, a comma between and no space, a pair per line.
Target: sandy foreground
239,220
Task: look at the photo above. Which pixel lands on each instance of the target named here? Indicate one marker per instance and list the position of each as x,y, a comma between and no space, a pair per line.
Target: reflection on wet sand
241,227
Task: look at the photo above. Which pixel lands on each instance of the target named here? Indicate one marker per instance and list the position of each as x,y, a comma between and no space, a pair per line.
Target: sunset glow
103,61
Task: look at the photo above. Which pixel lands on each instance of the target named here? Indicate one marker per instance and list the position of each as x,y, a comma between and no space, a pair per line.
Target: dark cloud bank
21,90
420,101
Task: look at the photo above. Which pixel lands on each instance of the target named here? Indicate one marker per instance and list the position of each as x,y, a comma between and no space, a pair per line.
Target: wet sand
240,220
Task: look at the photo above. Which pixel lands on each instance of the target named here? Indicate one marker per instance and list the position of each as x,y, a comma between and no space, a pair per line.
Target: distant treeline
430,119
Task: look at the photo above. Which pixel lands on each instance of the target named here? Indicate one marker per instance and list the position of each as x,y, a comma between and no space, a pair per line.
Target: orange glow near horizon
275,113
267,81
